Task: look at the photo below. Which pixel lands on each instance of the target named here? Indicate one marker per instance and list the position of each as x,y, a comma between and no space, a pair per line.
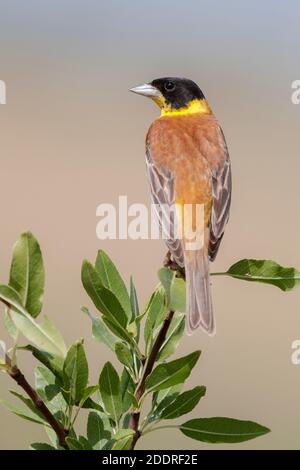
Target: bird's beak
147,90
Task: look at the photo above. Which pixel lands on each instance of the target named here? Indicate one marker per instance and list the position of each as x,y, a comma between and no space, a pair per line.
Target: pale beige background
72,137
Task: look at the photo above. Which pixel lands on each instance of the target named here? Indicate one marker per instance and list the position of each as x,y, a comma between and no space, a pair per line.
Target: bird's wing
163,197
221,186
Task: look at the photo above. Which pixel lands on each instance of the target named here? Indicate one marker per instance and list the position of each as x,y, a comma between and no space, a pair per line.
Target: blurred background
72,136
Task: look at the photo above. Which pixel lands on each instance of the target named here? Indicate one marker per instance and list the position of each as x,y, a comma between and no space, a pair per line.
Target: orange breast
190,147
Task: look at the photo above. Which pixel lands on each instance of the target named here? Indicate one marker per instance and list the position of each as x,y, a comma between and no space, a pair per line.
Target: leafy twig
120,320
15,373
135,417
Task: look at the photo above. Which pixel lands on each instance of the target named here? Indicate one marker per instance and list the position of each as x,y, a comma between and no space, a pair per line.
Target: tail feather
199,303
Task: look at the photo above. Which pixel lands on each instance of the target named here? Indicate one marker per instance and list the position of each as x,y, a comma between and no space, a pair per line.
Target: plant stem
17,375
135,417
137,350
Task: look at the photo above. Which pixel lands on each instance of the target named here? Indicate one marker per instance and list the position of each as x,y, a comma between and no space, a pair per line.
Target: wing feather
221,186
163,197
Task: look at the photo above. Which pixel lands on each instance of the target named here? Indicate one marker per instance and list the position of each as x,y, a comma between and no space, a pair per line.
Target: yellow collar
194,106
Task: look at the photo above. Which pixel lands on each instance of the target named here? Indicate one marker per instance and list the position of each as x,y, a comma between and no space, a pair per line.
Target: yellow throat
193,107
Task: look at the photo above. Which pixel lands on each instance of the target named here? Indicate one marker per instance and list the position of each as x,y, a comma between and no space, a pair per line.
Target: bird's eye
170,86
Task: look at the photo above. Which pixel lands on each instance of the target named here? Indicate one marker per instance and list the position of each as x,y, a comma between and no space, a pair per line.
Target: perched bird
188,166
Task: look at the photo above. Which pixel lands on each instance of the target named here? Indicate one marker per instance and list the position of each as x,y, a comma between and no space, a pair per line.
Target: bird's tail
199,303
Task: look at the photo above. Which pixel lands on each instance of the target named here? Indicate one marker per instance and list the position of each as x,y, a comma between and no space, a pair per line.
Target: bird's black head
177,92
174,95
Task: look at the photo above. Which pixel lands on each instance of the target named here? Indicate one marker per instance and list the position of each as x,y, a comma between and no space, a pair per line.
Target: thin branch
17,375
135,417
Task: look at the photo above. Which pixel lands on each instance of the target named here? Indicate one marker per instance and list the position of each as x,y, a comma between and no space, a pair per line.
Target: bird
188,165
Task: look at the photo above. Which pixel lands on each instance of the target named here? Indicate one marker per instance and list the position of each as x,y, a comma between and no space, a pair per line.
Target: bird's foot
169,263
167,260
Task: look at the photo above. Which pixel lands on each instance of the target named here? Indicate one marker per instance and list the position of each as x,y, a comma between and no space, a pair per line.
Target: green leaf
43,377
110,390
112,280
27,274
166,277
50,389
54,334
118,330
127,390
44,335
2,351
109,444
134,401
90,404
47,385
132,329
104,300
9,325
87,394
52,436
41,446
171,373
85,443
161,400
184,403
173,337
134,300
100,331
97,430
86,401
30,405
25,414
178,297
114,316
53,363
74,444
222,430
135,314
135,309
123,439
76,372
126,421
124,355
159,397
11,297
265,271
155,308
174,288
56,401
